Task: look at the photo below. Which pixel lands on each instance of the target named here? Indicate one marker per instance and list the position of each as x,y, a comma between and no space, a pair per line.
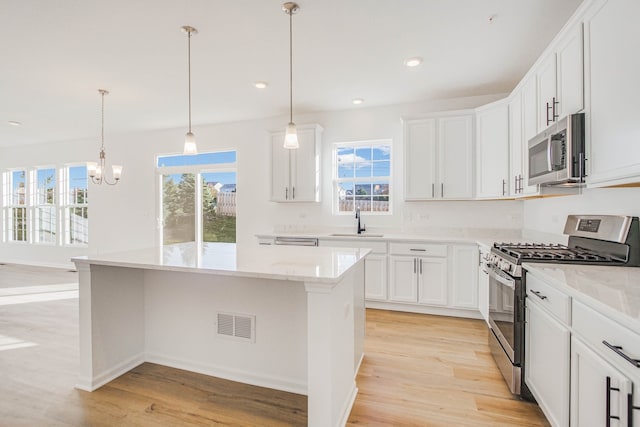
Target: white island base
295,325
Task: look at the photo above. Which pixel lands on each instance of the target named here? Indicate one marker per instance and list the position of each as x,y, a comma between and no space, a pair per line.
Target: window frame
197,170
35,205
336,181
66,206
9,205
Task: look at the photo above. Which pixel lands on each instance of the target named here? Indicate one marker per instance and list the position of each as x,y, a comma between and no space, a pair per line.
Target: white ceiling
56,54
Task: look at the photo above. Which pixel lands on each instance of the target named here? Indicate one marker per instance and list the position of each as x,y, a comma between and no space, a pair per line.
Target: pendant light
97,171
291,135
190,138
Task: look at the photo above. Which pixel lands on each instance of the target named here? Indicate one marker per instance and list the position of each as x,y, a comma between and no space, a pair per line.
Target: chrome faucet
360,229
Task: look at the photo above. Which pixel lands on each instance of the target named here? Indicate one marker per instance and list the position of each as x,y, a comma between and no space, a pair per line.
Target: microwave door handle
549,154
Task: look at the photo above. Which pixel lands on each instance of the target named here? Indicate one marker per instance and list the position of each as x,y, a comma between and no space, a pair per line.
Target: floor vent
238,326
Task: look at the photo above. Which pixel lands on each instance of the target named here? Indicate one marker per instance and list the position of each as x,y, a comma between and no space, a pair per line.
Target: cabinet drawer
419,249
595,328
376,247
552,299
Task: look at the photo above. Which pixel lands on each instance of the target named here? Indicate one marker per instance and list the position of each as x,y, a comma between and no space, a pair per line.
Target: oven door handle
495,273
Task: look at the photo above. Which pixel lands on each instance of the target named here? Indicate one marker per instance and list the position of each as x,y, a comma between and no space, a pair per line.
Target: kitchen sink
355,235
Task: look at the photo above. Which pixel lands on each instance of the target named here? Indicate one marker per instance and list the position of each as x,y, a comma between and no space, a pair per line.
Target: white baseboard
346,410
230,374
91,384
424,309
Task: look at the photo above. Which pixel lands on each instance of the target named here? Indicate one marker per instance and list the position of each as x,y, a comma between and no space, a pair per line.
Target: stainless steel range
593,239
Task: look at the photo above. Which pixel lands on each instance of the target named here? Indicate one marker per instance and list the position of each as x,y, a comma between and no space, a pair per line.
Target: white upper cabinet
295,174
560,80
420,159
492,160
612,43
516,146
439,157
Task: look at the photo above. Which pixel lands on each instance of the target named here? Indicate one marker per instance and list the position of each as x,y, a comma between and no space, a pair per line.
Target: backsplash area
548,215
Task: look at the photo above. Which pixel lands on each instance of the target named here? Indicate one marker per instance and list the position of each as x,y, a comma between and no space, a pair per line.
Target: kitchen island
287,318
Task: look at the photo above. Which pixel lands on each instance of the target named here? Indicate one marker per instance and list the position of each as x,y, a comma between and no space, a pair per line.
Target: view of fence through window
215,182
363,173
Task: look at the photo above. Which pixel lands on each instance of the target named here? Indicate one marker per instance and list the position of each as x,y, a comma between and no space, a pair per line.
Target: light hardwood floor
418,370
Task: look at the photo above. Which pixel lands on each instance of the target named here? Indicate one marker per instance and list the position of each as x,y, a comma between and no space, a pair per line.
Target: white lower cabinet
375,277
418,273
375,264
464,276
547,362
599,392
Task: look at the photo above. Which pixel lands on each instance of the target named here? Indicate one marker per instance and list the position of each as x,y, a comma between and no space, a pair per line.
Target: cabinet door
305,168
375,277
516,144
614,92
529,129
404,273
547,359
420,159
455,146
464,277
570,73
432,280
589,389
492,161
483,292
546,77
280,169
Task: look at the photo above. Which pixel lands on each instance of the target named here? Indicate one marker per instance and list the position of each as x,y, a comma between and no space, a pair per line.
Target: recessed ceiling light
492,18
14,123
413,62
261,85
357,101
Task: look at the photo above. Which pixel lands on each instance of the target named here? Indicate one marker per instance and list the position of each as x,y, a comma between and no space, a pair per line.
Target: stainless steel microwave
557,155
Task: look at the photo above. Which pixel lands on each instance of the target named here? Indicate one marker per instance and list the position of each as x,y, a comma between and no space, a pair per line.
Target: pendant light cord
291,66
102,117
189,61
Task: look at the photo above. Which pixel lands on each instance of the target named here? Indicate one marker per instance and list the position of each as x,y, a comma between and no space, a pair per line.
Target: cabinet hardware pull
433,190
630,409
293,191
548,108
555,102
418,250
442,190
420,266
521,186
618,350
504,186
286,193
415,261
538,294
608,403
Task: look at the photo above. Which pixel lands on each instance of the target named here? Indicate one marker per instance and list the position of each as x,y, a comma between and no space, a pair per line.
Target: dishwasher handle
296,241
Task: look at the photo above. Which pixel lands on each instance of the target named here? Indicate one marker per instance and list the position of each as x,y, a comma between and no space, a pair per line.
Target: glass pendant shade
291,137
92,169
117,171
190,144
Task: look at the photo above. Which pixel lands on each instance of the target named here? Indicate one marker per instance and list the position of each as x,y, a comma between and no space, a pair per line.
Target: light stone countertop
323,265
482,237
612,291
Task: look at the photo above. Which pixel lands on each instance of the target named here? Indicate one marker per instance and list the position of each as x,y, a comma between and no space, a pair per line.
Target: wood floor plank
419,370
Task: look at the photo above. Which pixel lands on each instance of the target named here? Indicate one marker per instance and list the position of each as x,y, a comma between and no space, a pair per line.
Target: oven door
502,311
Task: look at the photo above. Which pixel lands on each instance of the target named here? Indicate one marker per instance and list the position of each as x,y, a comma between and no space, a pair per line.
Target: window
15,203
198,198
45,209
75,205
362,176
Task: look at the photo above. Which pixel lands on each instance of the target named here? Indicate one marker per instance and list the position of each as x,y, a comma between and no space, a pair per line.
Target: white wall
125,216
